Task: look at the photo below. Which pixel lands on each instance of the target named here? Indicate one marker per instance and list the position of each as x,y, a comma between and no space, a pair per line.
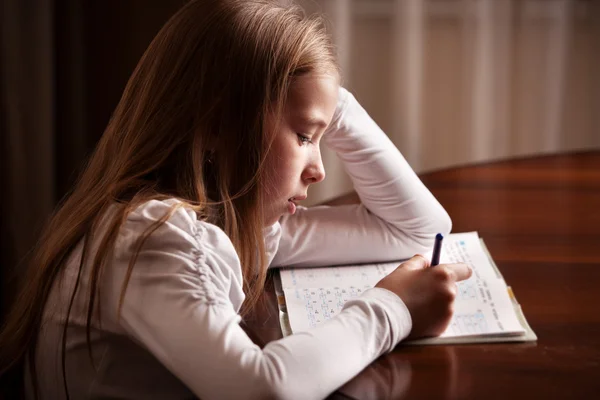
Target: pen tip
439,236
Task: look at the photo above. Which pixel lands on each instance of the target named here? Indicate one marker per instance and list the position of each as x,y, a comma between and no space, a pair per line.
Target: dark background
64,65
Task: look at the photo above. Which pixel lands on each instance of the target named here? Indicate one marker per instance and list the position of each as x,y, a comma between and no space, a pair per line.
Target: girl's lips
292,203
298,198
291,207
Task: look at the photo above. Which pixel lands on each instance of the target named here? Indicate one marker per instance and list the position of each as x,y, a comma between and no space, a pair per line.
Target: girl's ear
210,147
210,155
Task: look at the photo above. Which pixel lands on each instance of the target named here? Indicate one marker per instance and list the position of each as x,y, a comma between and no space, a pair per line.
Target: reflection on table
540,219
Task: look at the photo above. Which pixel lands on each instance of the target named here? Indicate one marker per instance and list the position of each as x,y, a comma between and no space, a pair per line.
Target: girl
143,274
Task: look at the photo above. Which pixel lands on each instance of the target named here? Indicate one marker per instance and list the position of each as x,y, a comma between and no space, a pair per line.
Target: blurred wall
461,81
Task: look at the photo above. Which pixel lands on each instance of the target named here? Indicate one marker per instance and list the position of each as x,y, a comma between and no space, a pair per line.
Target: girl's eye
303,139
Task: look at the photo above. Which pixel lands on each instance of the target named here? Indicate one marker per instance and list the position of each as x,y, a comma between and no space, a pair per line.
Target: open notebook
486,309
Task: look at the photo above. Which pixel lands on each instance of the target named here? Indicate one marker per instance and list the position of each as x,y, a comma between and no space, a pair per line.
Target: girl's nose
315,171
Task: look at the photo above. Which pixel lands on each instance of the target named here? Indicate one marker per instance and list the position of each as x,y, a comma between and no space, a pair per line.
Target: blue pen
437,249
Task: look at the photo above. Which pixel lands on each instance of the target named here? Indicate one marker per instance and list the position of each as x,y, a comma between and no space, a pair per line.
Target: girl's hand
427,292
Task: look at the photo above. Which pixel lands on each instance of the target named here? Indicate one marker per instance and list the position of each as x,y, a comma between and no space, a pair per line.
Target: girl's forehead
306,84
313,96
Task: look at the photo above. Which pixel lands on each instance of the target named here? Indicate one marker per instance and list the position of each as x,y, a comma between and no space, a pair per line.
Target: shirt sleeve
181,304
397,218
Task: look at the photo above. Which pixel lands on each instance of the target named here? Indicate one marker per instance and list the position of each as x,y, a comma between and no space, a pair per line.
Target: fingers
416,262
456,272
460,271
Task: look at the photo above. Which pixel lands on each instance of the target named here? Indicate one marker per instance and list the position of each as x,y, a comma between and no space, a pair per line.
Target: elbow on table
443,223
266,389
422,236
276,380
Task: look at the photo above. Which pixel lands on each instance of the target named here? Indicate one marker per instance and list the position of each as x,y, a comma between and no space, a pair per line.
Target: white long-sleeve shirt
179,335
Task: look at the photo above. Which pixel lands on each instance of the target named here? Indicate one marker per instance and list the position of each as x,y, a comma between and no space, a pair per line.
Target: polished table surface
540,219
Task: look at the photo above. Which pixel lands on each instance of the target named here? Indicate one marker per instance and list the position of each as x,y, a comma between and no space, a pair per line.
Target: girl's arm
182,303
398,216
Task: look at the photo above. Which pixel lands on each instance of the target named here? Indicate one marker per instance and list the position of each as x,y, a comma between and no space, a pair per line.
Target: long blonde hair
190,125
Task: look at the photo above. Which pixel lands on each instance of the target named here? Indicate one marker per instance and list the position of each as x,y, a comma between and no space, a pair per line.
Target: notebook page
482,305
314,295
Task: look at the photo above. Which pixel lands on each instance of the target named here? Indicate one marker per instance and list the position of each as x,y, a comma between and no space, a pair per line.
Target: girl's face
294,160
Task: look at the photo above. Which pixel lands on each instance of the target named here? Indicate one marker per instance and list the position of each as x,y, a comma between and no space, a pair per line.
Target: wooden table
540,218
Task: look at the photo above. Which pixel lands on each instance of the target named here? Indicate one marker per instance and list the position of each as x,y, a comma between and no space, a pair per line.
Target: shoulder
178,222
182,243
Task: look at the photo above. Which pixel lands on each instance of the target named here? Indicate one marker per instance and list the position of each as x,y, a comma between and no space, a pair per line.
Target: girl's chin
270,223
273,217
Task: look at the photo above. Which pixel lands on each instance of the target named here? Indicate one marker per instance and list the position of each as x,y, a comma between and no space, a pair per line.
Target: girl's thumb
416,262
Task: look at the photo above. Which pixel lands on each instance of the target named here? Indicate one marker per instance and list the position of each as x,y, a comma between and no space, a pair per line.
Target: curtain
63,67
464,81
26,123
